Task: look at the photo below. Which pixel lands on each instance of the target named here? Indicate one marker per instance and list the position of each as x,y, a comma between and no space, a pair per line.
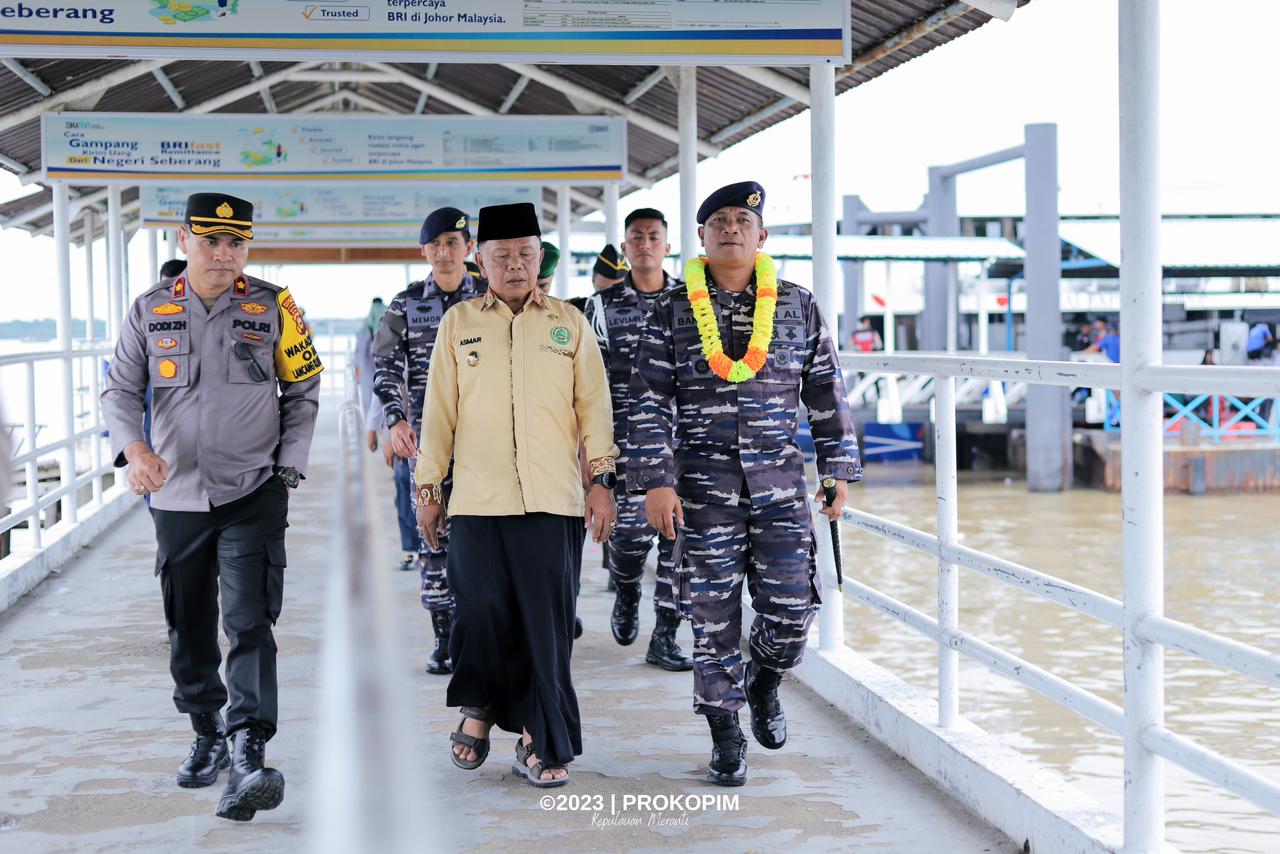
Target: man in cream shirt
516,384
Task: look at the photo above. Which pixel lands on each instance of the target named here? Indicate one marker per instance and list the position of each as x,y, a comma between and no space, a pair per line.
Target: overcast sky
1054,62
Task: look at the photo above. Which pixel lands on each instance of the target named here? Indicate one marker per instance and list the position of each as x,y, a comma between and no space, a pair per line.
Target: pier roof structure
734,102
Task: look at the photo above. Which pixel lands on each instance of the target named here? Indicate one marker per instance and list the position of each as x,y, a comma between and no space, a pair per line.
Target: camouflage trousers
432,563
629,546
771,548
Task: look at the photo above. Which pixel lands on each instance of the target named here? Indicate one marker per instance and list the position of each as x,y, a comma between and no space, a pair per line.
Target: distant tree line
46,328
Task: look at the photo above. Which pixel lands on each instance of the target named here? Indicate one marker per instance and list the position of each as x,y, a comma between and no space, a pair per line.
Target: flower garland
695,275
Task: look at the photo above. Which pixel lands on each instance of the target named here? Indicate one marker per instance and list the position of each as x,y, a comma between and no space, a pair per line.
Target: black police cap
219,213
744,194
610,264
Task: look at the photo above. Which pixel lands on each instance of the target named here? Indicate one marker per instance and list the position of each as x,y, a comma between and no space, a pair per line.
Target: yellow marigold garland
695,275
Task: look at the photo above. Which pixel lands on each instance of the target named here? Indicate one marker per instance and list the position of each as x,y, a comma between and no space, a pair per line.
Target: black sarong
513,578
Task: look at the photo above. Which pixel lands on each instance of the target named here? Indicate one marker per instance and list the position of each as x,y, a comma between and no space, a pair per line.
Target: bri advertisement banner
140,148
362,215
600,31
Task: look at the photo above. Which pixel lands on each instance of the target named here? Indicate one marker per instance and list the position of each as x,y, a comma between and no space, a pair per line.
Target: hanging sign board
379,214
686,32
101,148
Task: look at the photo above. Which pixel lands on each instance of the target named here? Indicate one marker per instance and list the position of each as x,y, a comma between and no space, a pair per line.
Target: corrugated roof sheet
726,100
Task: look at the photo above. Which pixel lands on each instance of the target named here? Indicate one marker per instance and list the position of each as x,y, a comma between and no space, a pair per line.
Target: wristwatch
290,476
607,479
393,419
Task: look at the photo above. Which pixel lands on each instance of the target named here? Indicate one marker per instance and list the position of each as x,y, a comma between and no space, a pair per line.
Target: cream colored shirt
509,397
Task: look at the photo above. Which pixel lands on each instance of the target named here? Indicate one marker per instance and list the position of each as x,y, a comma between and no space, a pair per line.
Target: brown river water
1222,573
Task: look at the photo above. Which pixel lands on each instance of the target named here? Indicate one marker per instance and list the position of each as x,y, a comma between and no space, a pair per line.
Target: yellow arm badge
296,356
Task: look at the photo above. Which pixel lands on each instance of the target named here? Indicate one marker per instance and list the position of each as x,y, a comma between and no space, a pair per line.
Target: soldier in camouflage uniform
616,313
723,473
402,353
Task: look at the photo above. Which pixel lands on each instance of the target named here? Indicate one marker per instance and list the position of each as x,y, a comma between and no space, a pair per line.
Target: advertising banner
685,32
378,215
138,148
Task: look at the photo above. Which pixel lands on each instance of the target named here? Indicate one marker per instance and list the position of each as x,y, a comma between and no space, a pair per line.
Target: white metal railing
76,429
1147,627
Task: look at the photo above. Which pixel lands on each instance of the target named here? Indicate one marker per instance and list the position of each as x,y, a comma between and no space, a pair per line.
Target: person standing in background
370,405
616,314
402,348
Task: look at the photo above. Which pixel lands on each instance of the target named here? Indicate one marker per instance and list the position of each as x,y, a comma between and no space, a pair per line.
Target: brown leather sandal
533,773
471,742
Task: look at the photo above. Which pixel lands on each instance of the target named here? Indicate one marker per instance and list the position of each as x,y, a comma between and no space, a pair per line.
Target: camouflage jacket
704,436
616,314
404,340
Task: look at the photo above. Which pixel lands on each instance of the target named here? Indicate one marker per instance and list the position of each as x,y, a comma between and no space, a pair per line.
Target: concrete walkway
91,740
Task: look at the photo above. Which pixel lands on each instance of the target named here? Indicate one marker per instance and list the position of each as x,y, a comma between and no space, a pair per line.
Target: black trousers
514,579
237,550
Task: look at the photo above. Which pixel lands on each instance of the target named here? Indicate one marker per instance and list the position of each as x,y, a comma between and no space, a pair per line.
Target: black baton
829,493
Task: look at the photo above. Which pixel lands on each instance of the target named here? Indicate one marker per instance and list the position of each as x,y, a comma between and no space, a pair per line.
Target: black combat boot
626,612
663,649
768,723
439,661
728,751
250,787
209,754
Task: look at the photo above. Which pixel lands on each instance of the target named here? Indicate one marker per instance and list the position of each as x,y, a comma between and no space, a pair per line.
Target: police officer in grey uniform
235,381
402,348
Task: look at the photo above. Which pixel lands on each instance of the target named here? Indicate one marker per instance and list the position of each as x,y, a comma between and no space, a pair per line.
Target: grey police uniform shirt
218,427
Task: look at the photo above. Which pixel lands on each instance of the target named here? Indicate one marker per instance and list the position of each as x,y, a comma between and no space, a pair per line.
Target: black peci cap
507,222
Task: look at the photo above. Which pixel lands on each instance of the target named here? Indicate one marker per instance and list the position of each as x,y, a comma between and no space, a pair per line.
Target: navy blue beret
744,194
440,221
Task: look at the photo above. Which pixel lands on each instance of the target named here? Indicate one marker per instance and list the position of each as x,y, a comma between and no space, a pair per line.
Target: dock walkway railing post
1142,430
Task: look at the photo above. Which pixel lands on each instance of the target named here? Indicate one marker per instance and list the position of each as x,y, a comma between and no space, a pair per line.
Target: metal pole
890,337
688,155
1142,444
612,229
153,256
563,213
62,249
88,224
822,166
944,432
831,613
1048,407
984,322
36,523
115,260
937,332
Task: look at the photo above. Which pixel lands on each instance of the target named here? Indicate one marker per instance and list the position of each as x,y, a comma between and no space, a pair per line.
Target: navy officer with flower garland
722,366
